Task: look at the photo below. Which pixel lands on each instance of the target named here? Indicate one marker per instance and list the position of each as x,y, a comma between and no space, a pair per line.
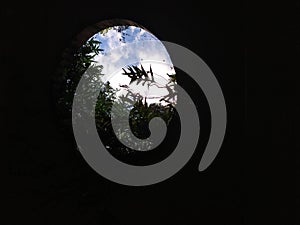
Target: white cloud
140,47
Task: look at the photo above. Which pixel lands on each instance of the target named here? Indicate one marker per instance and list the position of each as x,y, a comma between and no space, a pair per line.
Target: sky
124,46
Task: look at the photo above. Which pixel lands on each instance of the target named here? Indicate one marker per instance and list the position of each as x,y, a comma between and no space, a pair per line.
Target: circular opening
128,66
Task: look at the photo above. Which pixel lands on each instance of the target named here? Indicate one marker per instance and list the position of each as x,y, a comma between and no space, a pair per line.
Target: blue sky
112,38
133,46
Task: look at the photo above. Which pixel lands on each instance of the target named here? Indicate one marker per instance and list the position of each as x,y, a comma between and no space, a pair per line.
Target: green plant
140,112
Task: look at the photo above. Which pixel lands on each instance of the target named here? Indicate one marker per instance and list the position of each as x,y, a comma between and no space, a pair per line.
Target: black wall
47,180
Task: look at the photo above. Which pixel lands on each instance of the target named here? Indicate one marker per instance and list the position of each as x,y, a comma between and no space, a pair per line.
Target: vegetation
140,112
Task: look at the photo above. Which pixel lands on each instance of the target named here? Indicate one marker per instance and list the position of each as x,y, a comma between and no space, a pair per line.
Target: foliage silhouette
140,112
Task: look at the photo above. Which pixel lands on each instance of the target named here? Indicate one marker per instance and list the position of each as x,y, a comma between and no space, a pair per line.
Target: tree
140,112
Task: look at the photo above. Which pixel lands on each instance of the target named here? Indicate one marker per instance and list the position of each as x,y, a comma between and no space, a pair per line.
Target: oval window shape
135,76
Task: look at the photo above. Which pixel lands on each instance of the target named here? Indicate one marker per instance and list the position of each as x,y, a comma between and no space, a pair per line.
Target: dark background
252,180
